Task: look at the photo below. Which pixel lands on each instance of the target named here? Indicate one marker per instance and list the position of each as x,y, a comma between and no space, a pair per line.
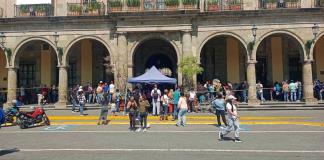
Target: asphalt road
168,142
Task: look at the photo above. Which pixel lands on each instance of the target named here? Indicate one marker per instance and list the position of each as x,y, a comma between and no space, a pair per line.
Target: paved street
266,135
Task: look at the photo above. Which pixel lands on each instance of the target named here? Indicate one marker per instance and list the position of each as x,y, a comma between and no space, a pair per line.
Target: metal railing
33,10
319,3
151,5
91,9
223,5
278,4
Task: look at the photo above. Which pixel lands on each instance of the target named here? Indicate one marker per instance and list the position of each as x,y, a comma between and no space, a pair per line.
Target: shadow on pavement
8,151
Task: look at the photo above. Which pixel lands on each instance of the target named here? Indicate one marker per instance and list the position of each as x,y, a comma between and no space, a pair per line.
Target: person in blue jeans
183,108
219,105
82,100
176,96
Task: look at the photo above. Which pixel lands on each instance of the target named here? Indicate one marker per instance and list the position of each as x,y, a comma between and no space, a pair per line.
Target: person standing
192,96
176,96
156,100
259,88
183,108
132,108
165,102
293,90
219,105
118,99
143,111
100,93
233,120
244,88
106,93
111,91
299,90
285,89
82,100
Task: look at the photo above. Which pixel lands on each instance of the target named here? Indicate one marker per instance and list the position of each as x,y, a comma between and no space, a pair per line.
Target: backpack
155,94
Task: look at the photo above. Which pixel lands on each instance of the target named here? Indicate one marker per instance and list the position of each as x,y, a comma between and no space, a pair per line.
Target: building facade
72,42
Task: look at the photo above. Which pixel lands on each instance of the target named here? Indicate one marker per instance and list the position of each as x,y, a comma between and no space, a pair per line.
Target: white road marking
149,131
170,150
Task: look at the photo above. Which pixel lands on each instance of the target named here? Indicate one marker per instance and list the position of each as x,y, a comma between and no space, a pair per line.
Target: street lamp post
58,49
251,44
56,38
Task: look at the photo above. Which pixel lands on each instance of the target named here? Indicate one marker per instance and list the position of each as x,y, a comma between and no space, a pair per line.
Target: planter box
94,13
172,8
213,7
271,5
133,9
116,9
189,6
291,5
40,14
24,14
235,7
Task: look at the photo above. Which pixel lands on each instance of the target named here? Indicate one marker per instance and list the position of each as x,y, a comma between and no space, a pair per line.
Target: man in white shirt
111,90
156,100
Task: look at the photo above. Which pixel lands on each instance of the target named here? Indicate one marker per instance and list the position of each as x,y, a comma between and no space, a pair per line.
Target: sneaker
73,112
144,130
220,136
138,130
237,140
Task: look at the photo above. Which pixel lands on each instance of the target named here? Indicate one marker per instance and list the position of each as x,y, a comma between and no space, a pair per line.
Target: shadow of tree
8,151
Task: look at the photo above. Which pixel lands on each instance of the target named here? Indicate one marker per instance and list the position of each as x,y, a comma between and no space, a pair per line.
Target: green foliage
115,3
214,2
75,7
271,1
251,45
133,3
171,2
40,8
235,2
292,1
189,67
188,2
94,6
24,8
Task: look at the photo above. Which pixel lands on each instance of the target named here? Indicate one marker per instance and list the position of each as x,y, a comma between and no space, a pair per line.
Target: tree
189,67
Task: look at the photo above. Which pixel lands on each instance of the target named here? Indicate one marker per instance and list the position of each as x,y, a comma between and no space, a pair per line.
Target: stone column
308,82
187,51
251,79
63,87
12,86
122,61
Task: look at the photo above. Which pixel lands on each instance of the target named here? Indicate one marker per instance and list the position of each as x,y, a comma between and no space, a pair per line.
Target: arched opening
37,72
279,58
223,58
3,76
318,66
89,62
158,53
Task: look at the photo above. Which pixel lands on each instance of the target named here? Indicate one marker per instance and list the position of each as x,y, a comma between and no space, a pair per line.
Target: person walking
299,90
219,105
111,91
176,96
132,108
244,88
233,120
156,100
143,111
183,108
192,96
293,91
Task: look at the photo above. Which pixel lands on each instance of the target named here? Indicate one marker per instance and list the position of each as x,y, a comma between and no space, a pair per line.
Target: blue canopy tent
152,76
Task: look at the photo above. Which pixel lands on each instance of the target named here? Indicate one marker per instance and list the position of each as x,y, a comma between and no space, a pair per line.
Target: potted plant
40,10
213,5
94,8
271,4
189,4
24,11
115,5
133,5
235,5
171,4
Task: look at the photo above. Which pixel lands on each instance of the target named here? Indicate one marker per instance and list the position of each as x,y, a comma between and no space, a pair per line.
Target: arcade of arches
278,57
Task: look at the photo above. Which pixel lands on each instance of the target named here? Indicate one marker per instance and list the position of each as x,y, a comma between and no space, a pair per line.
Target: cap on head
231,97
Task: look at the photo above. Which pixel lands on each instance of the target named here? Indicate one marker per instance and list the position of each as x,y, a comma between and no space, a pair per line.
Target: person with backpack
156,100
233,120
219,105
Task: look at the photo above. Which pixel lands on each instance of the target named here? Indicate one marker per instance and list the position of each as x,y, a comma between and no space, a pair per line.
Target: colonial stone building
74,42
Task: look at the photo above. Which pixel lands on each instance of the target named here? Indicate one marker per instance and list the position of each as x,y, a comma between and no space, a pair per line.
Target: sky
32,1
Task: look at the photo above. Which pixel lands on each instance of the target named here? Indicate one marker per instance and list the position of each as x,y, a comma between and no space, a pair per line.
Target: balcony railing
223,5
319,3
91,9
31,10
151,5
277,4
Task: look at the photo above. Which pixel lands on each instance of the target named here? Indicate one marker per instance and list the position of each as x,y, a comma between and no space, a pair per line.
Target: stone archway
318,55
279,57
88,61
37,72
157,52
223,57
3,75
